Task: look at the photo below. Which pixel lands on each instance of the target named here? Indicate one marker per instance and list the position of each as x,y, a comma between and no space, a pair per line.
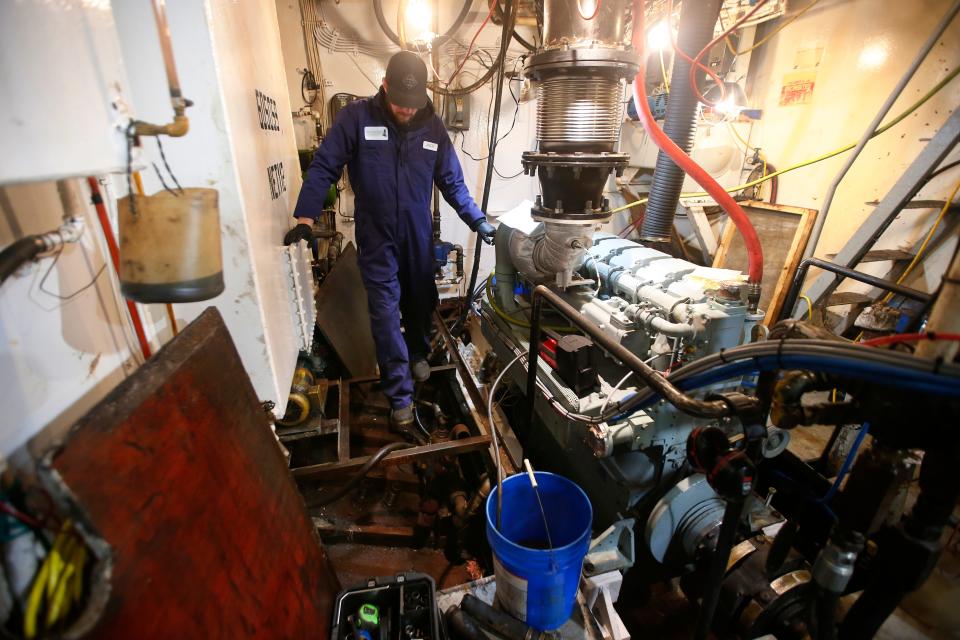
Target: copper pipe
180,124
166,47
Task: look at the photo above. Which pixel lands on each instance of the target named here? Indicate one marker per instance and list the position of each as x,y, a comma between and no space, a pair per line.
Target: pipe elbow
176,129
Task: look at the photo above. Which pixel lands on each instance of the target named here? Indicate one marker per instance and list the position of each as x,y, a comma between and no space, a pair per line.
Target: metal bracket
612,550
302,301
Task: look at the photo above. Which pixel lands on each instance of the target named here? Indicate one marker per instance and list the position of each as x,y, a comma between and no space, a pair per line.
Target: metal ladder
859,248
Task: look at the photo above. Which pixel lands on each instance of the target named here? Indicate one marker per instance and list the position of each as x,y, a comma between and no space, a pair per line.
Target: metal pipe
821,219
166,48
653,378
499,622
794,293
511,11
180,124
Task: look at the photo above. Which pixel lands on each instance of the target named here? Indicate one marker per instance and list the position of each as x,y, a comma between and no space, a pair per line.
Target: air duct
696,30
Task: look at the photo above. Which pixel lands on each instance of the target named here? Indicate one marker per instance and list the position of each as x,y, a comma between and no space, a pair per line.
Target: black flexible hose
385,26
22,251
496,66
696,30
508,22
523,42
462,625
373,461
718,567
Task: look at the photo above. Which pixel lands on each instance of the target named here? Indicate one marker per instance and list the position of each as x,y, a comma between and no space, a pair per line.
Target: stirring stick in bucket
536,492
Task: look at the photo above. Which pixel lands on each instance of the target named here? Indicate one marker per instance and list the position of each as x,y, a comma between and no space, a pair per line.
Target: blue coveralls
392,171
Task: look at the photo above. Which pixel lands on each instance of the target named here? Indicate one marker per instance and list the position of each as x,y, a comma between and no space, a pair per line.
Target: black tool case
407,604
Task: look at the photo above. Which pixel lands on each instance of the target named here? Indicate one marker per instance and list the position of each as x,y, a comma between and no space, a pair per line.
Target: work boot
420,369
402,419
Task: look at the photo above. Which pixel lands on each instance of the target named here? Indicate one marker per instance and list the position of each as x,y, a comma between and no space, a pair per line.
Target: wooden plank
201,531
343,430
781,252
402,456
379,534
841,298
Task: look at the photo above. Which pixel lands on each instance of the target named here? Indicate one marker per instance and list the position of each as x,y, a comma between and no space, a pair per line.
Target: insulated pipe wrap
696,30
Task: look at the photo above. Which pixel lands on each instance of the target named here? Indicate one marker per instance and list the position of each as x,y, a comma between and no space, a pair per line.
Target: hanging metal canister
170,247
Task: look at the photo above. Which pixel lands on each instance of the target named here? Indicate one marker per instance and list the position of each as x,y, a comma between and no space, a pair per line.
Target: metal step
879,255
847,297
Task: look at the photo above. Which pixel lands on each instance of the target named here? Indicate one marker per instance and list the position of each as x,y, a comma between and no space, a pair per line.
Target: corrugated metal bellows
580,87
579,112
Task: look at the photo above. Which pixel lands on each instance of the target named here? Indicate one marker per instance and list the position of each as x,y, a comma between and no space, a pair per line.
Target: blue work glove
486,230
298,233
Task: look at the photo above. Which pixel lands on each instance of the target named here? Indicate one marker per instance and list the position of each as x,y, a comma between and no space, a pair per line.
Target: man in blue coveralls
396,149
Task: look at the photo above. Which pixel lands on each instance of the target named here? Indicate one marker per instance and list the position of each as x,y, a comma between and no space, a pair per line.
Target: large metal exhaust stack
581,74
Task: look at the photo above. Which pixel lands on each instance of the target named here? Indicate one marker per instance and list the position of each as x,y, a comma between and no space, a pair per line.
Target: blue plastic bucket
536,584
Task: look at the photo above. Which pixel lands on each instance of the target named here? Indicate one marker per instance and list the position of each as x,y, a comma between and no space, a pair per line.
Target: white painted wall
867,45
57,357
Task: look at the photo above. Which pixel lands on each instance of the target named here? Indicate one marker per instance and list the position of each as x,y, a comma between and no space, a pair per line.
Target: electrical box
338,102
456,114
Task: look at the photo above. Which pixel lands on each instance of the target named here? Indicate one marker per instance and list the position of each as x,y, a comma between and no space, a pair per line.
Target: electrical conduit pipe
685,162
97,200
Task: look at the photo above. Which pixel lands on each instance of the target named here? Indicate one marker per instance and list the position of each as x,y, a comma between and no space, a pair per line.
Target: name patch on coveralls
429,146
374,133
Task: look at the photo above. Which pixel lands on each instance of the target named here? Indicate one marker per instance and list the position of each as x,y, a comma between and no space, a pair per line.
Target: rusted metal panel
178,471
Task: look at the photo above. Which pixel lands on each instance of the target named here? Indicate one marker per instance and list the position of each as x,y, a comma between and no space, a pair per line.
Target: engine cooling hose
373,461
685,162
696,30
22,251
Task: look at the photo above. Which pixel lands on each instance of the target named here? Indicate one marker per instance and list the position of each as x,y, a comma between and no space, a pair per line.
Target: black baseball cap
407,80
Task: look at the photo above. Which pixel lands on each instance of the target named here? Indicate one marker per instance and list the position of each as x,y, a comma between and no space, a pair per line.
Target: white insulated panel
62,81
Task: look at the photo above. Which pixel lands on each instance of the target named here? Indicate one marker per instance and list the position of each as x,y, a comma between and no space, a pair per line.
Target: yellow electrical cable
926,241
492,300
737,135
809,305
663,70
830,154
780,27
58,583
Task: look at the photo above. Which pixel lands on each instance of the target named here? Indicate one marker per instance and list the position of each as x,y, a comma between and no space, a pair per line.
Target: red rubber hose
685,162
910,337
115,258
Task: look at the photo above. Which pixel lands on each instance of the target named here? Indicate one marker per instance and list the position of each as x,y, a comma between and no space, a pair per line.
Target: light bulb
419,17
659,37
